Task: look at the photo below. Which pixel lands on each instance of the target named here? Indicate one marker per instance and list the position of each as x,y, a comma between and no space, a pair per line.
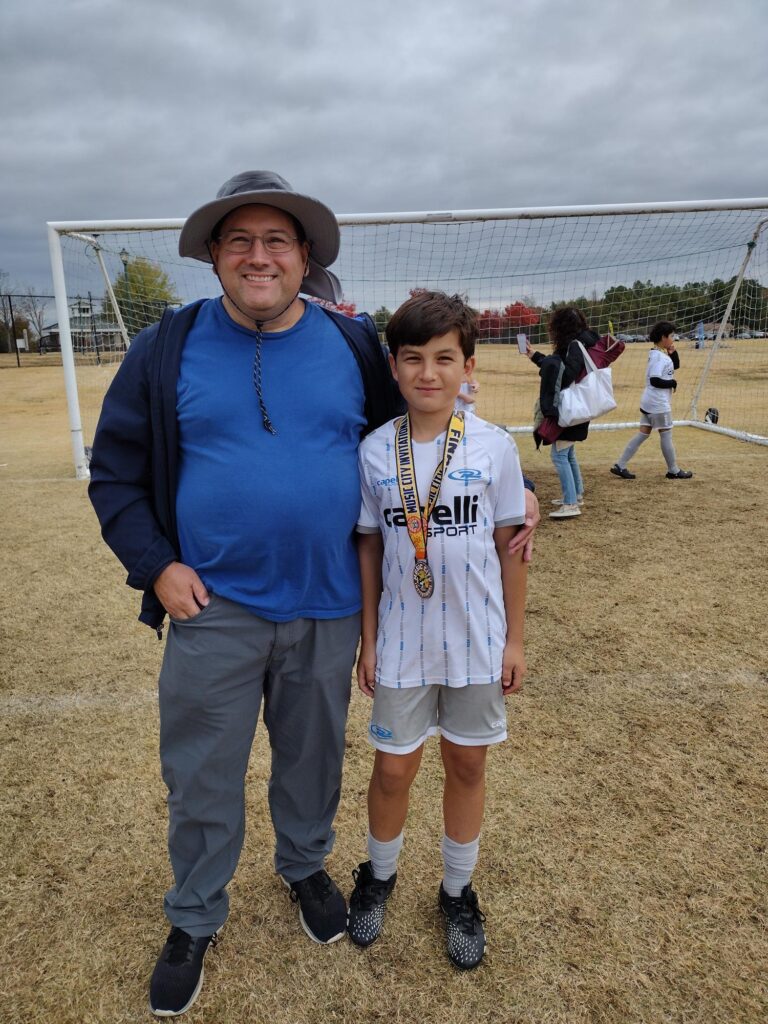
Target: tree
142,291
519,316
35,308
347,308
381,318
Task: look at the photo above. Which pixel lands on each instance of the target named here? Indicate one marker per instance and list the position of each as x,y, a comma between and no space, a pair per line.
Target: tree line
629,309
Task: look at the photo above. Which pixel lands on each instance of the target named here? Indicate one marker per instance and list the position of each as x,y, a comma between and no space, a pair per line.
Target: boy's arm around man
370,552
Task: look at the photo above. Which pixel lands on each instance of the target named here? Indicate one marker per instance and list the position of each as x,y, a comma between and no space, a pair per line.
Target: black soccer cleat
367,904
464,932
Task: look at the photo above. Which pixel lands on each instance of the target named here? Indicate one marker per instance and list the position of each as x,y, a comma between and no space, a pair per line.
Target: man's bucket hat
269,189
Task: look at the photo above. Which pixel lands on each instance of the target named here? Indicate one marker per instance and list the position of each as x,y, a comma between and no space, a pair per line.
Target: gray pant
216,668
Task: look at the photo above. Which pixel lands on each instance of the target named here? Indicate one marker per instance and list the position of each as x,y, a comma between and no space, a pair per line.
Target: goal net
702,266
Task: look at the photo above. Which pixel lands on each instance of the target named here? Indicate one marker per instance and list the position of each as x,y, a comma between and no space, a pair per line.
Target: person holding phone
566,327
465,399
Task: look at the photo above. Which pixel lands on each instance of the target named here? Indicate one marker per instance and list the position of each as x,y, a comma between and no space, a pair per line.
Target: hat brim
322,284
319,223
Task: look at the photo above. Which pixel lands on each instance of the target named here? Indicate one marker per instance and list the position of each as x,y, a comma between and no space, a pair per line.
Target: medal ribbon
406,478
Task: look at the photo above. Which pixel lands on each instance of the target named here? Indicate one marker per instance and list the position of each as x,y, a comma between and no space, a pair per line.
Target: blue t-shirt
268,520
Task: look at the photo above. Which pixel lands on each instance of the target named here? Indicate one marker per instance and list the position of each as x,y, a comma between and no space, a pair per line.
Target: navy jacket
134,465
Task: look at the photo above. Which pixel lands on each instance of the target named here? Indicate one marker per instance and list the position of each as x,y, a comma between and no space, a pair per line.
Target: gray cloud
142,109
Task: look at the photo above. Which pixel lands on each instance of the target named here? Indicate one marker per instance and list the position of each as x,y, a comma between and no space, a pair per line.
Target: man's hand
512,669
181,591
366,668
524,536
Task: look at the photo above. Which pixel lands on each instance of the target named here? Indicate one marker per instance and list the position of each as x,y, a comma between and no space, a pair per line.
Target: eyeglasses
241,242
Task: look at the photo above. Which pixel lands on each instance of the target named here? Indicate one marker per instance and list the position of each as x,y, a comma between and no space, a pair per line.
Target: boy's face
429,376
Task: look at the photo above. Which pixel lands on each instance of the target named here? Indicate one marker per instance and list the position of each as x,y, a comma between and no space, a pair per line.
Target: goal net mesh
625,271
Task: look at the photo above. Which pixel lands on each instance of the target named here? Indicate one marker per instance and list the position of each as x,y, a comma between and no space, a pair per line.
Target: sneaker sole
176,1013
308,930
311,934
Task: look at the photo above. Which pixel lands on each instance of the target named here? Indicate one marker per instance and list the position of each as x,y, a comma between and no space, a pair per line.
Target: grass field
623,861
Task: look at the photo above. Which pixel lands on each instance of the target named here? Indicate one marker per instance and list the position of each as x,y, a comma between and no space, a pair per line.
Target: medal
416,520
423,579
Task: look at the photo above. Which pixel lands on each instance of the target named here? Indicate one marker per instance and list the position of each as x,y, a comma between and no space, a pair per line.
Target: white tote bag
588,398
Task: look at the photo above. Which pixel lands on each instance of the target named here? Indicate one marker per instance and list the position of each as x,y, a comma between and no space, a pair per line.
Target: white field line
68,703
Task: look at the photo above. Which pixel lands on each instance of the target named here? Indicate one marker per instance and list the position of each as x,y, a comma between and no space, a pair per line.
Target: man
224,474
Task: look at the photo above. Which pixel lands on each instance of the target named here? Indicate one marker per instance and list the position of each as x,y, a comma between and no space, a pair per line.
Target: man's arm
370,552
121,489
514,575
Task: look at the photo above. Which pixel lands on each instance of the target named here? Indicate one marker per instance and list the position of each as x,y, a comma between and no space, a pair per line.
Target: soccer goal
701,265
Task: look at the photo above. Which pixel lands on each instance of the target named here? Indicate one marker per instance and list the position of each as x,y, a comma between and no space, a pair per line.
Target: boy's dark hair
564,325
428,315
661,330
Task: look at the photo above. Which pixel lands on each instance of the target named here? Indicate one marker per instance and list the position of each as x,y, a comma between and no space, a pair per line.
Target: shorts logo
380,732
465,474
499,724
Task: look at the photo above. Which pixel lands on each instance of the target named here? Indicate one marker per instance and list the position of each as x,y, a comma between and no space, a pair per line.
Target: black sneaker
178,974
322,909
623,472
681,474
463,927
366,905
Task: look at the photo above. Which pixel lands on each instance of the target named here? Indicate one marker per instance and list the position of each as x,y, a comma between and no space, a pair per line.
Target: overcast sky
142,108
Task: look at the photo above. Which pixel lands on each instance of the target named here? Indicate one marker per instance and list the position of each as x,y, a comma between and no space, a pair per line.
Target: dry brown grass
623,861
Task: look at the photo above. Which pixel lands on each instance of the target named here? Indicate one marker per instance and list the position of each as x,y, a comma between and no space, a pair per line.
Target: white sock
668,451
384,856
459,861
631,448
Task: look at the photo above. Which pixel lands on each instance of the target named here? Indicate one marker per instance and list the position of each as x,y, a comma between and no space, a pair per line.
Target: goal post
701,265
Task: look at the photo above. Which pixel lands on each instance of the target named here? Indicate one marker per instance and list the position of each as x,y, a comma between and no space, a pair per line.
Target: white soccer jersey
657,399
457,636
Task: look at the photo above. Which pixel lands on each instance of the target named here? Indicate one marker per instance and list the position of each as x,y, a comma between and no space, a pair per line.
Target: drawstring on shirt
257,380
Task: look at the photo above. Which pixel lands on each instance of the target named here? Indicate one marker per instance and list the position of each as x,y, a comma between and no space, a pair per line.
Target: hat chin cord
267,422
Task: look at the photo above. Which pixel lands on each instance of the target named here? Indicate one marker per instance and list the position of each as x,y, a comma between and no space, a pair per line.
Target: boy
443,604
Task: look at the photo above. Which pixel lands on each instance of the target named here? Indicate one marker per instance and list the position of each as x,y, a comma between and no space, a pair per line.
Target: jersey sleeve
508,490
368,520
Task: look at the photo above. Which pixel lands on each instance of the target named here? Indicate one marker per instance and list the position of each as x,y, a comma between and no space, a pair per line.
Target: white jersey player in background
656,404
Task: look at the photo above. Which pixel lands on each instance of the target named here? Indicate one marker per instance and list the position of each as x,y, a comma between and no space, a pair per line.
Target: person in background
465,400
656,404
567,327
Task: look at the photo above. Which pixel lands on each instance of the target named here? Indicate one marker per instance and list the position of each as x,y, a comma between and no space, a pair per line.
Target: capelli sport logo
465,474
380,732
